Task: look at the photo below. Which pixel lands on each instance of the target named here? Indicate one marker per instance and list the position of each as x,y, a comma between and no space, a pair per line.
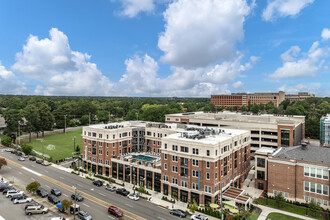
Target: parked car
53,199
25,156
40,209
23,199
77,196
21,159
122,191
113,210
55,192
39,161
134,197
98,183
198,217
16,196
13,151
110,188
42,192
18,153
59,218
32,158
31,204
46,163
84,215
178,212
4,192
5,186
12,192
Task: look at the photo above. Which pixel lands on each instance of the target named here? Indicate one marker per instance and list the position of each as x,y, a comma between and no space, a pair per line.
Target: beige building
261,167
266,130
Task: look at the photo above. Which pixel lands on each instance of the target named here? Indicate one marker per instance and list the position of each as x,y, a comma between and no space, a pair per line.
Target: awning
236,195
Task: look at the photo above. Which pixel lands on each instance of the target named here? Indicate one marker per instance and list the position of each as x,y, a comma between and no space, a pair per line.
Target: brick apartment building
300,173
266,130
240,99
189,152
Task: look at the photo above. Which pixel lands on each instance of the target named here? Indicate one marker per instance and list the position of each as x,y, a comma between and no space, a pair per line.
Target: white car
25,156
21,159
198,217
25,199
12,192
8,150
133,197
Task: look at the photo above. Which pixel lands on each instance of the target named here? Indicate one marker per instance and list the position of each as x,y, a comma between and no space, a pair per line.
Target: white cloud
199,33
142,78
9,83
58,69
325,34
239,85
132,8
313,88
307,66
284,8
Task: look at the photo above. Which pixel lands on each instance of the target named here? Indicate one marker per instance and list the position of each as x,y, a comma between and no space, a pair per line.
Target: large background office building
266,130
240,99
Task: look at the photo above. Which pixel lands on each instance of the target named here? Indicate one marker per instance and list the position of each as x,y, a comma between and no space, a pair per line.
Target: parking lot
9,210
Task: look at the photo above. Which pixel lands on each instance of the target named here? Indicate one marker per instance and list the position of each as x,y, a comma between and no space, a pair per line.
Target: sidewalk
266,210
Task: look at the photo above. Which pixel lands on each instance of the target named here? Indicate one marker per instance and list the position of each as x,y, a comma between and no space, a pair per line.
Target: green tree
254,108
193,207
103,116
84,120
33,187
27,149
31,114
12,118
65,204
5,140
314,207
279,200
46,118
3,162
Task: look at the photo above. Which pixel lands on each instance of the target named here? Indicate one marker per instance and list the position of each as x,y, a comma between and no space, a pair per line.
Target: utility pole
64,124
74,144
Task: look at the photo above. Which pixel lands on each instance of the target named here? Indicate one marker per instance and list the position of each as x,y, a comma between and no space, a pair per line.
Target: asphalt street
97,199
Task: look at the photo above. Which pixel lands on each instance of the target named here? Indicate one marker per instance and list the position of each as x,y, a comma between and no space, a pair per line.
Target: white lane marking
61,177
33,165
31,171
92,189
129,205
102,194
33,179
161,218
65,195
85,204
111,217
2,218
20,173
47,186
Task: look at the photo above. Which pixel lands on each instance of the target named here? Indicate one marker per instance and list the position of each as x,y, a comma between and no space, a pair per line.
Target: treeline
42,113
313,108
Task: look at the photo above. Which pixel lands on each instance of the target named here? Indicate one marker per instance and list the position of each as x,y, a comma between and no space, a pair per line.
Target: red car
113,210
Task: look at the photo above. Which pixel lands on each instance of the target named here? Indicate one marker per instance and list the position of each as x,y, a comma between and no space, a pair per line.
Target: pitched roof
314,154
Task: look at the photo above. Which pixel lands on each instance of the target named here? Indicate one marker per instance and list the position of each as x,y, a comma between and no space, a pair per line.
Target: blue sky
190,48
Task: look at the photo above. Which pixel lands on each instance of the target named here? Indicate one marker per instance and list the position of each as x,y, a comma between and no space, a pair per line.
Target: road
97,199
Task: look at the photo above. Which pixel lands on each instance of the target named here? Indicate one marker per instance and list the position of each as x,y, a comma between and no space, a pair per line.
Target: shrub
33,187
5,140
87,177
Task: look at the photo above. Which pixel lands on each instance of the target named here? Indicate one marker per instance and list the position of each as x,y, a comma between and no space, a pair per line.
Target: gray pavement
267,210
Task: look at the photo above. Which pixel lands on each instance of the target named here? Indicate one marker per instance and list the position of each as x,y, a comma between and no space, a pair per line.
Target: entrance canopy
236,195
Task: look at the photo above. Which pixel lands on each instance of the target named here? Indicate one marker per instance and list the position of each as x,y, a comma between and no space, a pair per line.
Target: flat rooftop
265,150
314,154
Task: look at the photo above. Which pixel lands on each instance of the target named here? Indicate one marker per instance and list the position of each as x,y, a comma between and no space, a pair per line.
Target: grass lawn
279,216
287,207
254,216
57,146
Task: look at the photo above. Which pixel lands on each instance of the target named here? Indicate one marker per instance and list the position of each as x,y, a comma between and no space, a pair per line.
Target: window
325,202
207,164
194,185
306,171
260,175
195,173
184,149
165,178
306,199
208,153
100,135
319,173
174,169
100,144
207,176
94,134
195,162
216,152
312,172
325,174
319,188
275,192
184,184
165,146
114,145
216,164
208,189
100,152
107,162
216,175
113,136
165,166
174,147
286,195
325,190
165,156
261,162
175,158
100,161
306,186
195,151
312,187
175,181
107,153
